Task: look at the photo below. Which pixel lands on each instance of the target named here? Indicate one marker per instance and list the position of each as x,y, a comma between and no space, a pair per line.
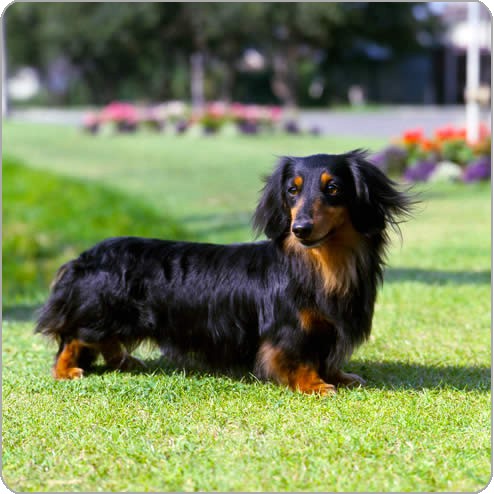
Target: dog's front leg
275,363
339,378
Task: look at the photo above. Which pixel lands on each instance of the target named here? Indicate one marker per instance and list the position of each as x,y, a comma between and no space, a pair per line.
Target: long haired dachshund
291,309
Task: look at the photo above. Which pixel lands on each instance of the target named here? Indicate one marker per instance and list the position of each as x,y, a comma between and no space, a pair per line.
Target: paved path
385,122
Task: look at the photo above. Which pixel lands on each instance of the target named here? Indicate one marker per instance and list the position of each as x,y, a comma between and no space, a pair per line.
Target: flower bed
447,155
177,118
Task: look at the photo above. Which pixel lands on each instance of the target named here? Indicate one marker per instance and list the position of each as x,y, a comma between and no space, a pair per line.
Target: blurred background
309,55
160,120
181,108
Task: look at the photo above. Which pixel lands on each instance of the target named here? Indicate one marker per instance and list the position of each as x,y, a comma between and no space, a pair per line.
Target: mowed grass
421,424
209,184
48,220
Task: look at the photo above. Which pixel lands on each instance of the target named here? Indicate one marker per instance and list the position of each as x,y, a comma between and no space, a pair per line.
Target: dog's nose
302,229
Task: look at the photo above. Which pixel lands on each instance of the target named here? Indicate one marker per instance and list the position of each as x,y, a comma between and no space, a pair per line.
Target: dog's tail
53,315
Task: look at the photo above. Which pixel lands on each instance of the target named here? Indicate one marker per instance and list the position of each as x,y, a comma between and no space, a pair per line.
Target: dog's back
186,297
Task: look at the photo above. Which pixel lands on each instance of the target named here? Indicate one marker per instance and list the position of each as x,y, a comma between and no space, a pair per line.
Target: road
387,122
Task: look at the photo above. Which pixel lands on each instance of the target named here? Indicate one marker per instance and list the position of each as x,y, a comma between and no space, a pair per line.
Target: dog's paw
318,387
345,379
351,380
68,373
325,389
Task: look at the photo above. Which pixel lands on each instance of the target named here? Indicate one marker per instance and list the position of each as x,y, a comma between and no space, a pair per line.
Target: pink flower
216,109
119,112
275,113
484,131
237,110
90,119
252,112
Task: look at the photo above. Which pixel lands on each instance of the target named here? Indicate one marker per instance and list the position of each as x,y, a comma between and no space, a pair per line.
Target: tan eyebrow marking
298,181
325,178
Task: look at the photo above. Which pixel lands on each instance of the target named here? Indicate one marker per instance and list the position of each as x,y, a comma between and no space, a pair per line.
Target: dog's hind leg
116,357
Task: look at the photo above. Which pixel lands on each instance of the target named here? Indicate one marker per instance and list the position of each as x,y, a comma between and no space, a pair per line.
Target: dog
290,309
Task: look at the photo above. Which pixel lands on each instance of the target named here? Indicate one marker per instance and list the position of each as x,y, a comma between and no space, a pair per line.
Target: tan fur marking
66,365
326,218
325,179
335,261
310,320
294,211
275,365
298,181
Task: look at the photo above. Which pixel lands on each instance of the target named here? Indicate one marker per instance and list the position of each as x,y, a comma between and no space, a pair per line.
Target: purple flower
181,127
248,127
395,152
479,169
315,130
391,160
380,161
420,172
291,127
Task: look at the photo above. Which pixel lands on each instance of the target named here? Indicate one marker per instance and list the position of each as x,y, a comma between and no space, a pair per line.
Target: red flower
428,145
413,136
449,132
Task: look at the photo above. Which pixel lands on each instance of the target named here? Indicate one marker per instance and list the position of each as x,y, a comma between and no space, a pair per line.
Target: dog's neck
336,261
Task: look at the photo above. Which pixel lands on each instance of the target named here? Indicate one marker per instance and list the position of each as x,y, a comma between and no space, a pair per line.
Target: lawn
423,422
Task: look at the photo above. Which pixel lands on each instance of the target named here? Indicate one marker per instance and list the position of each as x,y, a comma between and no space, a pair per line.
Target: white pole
473,72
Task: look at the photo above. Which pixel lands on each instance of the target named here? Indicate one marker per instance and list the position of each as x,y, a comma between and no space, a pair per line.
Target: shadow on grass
20,313
436,277
164,367
379,375
405,375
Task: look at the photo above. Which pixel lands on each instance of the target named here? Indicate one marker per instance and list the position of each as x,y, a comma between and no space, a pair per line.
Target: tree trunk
284,83
5,96
228,82
197,80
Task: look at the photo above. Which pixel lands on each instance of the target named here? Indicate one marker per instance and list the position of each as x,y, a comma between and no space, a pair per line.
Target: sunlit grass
423,423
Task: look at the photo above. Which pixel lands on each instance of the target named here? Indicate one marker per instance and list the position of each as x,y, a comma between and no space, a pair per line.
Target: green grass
209,184
48,220
421,424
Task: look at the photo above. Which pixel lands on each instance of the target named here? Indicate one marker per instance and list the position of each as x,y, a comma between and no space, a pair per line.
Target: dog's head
314,198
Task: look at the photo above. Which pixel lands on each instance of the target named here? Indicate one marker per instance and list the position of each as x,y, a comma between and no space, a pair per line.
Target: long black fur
220,303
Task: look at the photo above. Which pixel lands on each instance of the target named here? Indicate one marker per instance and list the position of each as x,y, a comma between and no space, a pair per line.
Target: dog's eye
332,189
292,190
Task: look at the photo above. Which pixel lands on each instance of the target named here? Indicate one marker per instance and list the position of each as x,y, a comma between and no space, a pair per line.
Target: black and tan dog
291,309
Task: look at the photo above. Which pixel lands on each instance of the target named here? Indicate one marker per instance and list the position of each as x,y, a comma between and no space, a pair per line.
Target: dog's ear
378,201
272,215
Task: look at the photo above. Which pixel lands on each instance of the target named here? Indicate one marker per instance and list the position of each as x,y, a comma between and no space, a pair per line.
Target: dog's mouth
309,244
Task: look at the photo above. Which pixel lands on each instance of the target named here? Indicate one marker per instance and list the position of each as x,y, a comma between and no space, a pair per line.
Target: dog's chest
311,321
